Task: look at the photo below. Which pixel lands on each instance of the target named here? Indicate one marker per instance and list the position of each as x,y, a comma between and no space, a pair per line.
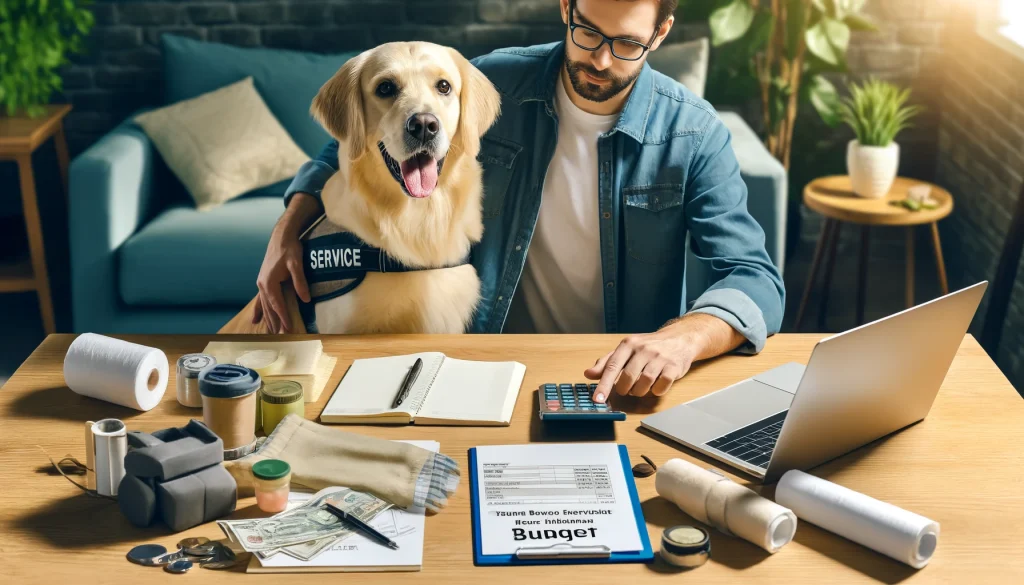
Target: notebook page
370,385
473,391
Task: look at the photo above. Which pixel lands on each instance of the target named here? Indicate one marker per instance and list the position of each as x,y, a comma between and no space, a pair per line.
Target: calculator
570,402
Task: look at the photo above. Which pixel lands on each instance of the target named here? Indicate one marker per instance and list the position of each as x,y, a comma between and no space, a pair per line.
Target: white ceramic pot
872,168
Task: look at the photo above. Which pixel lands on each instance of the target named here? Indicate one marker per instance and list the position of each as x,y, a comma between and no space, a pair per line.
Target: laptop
857,386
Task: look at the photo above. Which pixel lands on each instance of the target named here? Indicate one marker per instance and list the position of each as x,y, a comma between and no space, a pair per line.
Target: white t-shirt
562,282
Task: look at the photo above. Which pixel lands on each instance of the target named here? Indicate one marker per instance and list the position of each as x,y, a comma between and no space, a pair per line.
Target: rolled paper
116,371
880,526
718,501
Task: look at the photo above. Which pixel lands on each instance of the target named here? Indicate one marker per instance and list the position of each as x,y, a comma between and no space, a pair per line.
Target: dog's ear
338,106
479,105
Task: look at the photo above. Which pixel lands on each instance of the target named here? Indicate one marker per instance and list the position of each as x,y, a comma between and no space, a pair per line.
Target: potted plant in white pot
877,111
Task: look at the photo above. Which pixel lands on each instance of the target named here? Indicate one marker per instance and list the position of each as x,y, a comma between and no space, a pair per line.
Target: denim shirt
666,171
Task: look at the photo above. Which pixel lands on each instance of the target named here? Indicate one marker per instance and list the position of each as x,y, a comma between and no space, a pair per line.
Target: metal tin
239,452
189,367
278,399
685,546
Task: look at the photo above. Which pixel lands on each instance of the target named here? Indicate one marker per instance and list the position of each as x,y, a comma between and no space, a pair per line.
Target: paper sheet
405,527
542,495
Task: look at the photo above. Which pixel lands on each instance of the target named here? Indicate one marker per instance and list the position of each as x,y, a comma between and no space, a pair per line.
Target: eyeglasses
590,39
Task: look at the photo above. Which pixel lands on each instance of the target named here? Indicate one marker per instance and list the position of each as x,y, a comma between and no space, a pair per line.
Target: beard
592,91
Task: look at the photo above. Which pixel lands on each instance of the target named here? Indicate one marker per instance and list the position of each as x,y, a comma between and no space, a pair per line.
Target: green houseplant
36,37
783,49
876,111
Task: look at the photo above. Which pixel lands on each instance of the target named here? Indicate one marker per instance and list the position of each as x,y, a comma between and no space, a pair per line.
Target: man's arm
283,260
742,306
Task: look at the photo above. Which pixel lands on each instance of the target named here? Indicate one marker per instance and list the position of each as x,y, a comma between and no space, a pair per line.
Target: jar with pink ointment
273,482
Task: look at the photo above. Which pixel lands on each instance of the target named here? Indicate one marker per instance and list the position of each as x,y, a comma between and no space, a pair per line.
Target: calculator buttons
573,402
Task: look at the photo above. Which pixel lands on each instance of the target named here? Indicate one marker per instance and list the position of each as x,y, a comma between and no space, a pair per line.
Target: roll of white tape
117,371
110,442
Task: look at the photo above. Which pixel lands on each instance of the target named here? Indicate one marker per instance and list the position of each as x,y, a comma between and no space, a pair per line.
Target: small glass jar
272,478
278,399
685,546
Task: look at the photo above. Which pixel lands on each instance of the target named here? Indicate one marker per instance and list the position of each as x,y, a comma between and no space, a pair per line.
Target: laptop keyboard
753,443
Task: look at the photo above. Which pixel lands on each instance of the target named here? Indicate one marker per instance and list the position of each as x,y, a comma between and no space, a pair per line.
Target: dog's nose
423,127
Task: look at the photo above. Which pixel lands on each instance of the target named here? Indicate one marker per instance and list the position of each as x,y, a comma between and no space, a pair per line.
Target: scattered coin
223,558
179,566
147,554
197,545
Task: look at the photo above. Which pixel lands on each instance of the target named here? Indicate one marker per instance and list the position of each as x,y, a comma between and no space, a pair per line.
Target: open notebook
447,392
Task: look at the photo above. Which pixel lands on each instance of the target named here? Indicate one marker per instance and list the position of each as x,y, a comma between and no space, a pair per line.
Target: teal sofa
143,260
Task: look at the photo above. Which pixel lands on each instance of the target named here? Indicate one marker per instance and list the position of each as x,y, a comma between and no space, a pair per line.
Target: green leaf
828,40
730,22
761,31
825,99
796,22
859,23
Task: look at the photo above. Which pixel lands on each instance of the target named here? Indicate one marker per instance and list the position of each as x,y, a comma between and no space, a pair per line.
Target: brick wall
981,161
122,71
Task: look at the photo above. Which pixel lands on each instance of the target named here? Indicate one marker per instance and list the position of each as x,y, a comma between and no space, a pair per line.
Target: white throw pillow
223,143
687,63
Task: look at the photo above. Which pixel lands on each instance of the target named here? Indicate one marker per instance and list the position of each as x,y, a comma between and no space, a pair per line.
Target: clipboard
562,553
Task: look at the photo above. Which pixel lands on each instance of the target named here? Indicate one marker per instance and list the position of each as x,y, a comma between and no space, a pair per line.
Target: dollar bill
303,524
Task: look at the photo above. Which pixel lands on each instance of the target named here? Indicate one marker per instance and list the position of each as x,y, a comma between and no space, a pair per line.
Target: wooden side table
833,197
19,138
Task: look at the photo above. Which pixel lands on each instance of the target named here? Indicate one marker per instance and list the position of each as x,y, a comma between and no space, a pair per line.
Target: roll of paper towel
117,371
720,502
892,531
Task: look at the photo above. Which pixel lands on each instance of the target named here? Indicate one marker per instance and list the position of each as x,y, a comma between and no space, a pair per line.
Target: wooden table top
22,135
834,197
961,466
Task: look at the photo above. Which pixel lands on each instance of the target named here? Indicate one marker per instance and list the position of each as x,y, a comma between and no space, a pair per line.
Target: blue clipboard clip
563,550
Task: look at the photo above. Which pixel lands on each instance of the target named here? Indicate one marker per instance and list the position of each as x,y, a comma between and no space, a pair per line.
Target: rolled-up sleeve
313,175
746,288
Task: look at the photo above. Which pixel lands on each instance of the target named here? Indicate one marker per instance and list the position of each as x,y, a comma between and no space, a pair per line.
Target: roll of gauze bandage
892,531
117,371
726,505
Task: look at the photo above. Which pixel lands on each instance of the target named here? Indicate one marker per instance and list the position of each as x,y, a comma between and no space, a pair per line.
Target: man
628,163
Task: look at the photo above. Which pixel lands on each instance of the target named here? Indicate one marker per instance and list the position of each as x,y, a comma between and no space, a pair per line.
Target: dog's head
410,105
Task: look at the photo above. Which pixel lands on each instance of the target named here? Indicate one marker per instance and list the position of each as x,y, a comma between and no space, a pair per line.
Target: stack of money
305,530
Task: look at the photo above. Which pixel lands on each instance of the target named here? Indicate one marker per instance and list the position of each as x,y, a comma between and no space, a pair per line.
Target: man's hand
652,362
283,262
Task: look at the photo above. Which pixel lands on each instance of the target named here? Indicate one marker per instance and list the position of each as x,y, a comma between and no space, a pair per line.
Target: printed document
542,495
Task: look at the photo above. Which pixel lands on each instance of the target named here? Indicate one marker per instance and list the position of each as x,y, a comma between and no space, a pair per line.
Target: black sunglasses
591,39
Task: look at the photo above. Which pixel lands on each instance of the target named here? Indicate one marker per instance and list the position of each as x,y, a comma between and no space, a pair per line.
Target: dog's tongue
420,175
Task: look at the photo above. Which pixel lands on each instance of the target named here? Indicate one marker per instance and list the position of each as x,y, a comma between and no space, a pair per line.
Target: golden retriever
408,118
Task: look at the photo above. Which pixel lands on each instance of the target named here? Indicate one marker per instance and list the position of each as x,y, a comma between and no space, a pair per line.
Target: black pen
410,379
361,526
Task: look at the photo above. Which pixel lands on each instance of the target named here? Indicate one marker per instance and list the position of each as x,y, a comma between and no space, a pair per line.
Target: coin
179,566
198,546
224,558
147,554
193,542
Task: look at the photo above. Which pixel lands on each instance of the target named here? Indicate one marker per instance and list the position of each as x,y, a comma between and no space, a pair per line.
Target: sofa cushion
188,257
223,144
287,80
686,62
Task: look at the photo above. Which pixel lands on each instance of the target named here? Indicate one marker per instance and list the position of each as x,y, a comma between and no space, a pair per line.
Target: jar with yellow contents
278,399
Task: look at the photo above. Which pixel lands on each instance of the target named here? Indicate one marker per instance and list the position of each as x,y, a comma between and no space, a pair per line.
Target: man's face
599,75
